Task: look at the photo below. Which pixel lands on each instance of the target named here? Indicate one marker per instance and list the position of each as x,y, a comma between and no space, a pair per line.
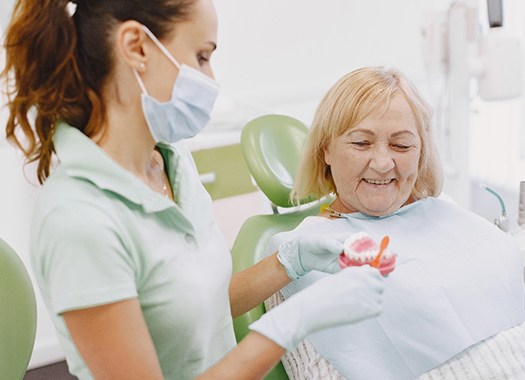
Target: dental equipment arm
501,221
459,48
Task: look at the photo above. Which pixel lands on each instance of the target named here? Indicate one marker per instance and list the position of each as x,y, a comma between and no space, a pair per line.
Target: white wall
278,52
6,7
281,56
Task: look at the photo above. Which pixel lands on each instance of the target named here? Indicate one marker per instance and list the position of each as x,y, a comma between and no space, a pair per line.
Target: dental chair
271,146
17,315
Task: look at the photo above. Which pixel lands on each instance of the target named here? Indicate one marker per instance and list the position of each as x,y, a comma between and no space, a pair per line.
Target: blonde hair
353,98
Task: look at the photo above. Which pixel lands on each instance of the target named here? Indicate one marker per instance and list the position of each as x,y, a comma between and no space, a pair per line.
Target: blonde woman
458,278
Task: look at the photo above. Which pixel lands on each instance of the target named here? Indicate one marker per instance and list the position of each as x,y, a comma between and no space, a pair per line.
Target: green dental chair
17,315
271,146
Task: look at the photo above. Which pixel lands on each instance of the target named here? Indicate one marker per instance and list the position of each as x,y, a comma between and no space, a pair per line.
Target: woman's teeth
378,182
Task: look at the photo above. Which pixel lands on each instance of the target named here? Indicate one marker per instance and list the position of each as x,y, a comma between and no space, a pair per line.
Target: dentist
130,262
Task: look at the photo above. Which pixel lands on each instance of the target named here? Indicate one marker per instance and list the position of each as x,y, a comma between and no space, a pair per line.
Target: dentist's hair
57,65
354,97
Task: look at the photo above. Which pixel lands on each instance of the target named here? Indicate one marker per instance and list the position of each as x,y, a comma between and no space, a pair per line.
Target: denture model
361,249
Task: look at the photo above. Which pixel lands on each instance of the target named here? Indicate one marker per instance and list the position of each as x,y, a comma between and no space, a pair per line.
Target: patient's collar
359,215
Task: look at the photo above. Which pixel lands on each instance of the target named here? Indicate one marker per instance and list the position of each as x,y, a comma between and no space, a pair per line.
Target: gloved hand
308,252
346,297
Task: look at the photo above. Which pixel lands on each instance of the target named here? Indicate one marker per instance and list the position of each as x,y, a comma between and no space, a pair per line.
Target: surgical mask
189,109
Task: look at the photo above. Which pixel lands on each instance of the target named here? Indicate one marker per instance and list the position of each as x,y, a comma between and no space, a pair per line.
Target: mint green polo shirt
100,235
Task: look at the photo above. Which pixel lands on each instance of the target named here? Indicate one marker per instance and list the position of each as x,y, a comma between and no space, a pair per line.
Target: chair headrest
271,145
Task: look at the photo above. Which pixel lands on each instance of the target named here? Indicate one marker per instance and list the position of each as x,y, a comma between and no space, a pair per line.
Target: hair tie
71,8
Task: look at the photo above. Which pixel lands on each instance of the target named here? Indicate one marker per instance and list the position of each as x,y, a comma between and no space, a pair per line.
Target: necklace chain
334,213
165,189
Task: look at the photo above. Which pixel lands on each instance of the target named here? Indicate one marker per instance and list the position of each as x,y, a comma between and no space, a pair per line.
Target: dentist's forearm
254,285
252,359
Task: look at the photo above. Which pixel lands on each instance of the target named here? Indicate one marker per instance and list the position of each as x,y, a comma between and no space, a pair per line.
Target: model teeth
378,182
363,256
367,256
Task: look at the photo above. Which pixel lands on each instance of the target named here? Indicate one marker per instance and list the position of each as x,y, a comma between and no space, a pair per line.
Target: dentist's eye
202,59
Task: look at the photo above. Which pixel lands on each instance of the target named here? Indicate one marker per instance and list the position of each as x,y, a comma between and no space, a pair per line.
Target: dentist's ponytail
43,78
57,64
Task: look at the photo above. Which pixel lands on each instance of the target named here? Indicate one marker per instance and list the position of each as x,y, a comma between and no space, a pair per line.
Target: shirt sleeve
81,258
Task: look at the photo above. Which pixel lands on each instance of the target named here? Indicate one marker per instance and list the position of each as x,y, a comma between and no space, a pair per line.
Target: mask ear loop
160,46
141,83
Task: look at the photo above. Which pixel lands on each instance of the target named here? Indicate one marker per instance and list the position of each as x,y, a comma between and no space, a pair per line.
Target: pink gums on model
361,249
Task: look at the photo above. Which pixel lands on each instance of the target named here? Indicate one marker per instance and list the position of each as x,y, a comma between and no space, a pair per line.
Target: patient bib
458,280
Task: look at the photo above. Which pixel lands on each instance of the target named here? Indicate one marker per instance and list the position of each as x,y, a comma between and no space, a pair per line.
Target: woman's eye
360,144
401,147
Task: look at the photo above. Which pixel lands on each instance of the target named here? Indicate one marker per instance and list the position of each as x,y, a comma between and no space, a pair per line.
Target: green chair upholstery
17,315
271,146
249,248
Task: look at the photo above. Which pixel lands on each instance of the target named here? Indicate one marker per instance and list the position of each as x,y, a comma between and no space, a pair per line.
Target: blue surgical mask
189,109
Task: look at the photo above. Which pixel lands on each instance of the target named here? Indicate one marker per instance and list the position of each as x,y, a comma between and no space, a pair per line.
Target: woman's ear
327,155
131,45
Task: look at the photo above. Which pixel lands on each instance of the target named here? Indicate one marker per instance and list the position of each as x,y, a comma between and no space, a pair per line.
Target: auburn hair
57,65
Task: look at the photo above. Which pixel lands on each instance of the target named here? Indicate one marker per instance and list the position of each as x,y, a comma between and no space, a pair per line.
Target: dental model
361,249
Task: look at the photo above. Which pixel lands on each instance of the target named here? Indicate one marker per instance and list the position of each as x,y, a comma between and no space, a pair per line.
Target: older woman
458,279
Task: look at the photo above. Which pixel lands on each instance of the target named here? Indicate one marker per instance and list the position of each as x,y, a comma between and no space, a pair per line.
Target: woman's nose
382,159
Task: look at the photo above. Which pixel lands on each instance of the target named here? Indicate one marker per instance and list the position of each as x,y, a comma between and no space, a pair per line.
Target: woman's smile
380,182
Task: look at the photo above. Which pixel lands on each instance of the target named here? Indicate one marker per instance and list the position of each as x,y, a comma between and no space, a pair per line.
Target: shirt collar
82,158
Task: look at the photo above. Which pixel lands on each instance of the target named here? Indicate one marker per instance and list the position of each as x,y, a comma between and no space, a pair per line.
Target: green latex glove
348,296
308,252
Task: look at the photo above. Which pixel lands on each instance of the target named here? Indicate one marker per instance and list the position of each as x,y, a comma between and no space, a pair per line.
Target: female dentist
130,262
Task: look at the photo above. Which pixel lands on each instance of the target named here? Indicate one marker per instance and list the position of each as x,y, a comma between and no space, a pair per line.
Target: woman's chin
378,208
381,207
